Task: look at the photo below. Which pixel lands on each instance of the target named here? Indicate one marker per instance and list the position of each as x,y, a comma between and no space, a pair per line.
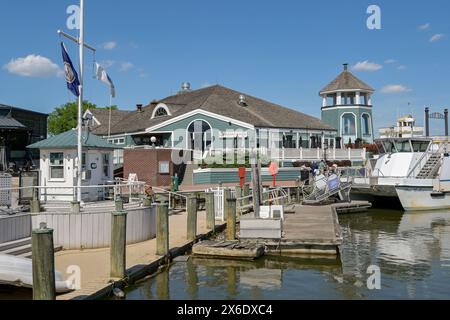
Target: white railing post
349,154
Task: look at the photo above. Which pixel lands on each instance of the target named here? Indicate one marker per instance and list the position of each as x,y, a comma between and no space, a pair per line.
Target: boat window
389,147
420,146
403,146
380,147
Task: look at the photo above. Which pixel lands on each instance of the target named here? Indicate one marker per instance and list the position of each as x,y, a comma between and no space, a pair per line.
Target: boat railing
420,164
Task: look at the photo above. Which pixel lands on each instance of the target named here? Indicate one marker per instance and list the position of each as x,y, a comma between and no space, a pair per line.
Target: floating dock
228,250
311,230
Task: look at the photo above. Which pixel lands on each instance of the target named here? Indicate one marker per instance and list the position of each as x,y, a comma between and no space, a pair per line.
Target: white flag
103,77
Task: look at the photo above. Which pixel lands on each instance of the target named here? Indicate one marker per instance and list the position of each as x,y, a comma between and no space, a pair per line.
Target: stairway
431,167
19,248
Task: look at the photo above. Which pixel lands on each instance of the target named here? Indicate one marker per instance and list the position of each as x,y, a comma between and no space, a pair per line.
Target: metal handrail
426,155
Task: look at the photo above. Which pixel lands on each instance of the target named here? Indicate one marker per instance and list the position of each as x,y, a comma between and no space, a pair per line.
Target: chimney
185,87
345,66
139,108
242,100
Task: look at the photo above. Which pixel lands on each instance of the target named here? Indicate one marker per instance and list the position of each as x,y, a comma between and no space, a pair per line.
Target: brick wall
145,163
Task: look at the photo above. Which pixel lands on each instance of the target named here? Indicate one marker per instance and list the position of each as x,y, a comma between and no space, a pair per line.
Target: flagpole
80,104
110,115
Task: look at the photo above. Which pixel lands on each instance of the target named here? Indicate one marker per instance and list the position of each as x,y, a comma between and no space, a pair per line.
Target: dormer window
161,110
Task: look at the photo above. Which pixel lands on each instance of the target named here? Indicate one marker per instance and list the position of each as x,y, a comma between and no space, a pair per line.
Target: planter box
216,176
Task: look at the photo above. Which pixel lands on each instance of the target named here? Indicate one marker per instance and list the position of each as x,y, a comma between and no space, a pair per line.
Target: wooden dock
311,230
229,250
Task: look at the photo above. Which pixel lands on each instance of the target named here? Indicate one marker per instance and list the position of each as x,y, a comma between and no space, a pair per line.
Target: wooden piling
119,204
162,231
147,202
75,207
35,204
239,194
230,213
298,190
246,194
210,211
118,244
192,218
266,197
44,287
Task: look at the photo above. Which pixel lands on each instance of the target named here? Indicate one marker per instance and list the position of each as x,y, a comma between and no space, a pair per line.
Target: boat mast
80,104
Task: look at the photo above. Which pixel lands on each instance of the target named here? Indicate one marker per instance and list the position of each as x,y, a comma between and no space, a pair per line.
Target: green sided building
347,107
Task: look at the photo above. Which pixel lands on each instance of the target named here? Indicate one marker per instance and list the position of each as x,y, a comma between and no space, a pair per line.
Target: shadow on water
412,251
201,278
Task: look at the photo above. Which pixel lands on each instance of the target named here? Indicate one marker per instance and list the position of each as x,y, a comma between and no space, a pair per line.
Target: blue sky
282,51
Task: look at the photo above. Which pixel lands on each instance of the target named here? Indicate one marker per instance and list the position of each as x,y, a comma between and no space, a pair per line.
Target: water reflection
412,250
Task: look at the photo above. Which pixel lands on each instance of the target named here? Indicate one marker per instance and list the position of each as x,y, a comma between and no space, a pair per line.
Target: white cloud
395,88
33,66
110,45
126,66
402,67
367,66
390,61
424,27
437,37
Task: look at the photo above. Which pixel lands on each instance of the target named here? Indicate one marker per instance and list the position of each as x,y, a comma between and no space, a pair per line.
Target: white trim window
349,124
106,165
117,141
56,166
366,123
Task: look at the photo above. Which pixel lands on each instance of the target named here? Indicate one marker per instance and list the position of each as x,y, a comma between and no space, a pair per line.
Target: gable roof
224,102
346,81
102,116
11,123
69,140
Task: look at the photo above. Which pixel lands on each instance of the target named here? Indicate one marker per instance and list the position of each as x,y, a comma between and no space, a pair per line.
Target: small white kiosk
58,159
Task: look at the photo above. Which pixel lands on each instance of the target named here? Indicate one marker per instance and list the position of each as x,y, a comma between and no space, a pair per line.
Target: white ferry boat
399,159
431,189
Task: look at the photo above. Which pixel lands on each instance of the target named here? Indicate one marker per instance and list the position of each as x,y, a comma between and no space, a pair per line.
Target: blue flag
72,80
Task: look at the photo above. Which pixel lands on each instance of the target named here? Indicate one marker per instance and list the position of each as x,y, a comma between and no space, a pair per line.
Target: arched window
366,124
200,135
348,124
161,112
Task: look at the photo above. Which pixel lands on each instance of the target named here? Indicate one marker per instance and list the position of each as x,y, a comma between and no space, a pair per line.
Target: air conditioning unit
86,175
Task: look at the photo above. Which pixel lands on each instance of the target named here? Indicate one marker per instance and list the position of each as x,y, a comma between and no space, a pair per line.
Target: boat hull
420,198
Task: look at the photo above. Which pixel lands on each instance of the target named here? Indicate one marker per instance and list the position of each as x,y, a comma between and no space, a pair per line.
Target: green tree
65,117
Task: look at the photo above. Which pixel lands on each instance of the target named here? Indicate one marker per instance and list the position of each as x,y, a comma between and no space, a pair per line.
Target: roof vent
185,87
139,107
242,100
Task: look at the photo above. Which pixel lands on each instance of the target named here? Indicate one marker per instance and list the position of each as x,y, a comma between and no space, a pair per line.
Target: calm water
412,251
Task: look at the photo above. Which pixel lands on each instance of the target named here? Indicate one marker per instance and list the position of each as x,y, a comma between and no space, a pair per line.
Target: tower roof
346,81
